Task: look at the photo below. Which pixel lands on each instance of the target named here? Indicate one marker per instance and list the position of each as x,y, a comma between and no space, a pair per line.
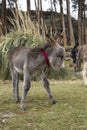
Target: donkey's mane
44,46
37,50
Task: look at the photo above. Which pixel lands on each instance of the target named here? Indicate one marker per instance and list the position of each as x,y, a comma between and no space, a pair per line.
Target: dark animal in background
74,56
27,61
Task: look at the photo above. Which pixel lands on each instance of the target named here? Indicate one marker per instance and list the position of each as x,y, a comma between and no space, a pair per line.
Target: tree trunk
9,4
63,22
42,21
3,16
36,7
80,22
41,10
28,7
83,29
83,23
72,39
54,2
86,32
55,15
52,15
38,15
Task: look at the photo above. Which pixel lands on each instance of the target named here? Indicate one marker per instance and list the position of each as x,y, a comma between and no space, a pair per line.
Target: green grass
69,113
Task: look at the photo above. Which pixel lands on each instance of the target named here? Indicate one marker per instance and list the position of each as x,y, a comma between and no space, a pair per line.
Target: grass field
69,113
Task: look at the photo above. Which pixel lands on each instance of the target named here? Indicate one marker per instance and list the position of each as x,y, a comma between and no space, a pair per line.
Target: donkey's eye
61,57
57,55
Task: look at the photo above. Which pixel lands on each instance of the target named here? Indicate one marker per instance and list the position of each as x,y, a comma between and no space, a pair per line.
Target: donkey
27,61
74,53
82,58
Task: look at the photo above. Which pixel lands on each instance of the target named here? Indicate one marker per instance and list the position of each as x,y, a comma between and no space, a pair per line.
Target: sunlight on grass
69,113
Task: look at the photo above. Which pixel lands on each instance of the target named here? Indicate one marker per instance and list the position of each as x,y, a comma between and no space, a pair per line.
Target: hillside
55,27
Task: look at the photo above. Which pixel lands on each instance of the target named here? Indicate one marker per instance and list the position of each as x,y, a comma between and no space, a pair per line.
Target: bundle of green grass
24,33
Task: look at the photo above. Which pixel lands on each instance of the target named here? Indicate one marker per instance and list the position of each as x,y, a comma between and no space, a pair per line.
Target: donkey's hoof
53,102
16,101
22,107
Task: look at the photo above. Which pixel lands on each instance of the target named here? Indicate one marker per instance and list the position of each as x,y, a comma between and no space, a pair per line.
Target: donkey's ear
52,41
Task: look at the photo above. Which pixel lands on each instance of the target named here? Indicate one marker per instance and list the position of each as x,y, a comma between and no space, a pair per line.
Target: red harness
45,56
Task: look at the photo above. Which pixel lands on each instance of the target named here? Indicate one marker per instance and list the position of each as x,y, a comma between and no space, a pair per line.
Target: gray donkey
82,61
27,61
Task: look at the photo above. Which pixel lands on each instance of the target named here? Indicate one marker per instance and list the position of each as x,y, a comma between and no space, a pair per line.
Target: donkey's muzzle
62,66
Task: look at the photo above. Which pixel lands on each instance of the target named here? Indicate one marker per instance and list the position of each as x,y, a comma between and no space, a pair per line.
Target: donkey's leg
84,73
15,83
46,86
26,87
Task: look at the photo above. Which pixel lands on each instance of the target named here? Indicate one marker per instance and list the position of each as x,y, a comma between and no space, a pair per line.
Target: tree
11,3
3,16
52,14
39,12
63,21
54,3
28,7
81,4
80,21
83,23
72,39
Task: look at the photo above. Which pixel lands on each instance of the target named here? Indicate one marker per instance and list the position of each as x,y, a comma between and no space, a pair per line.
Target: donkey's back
17,53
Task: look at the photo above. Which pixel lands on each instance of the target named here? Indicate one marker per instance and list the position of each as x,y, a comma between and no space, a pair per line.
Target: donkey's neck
46,57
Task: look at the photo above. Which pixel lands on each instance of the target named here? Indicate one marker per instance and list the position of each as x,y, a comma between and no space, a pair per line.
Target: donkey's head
58,53
57,57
